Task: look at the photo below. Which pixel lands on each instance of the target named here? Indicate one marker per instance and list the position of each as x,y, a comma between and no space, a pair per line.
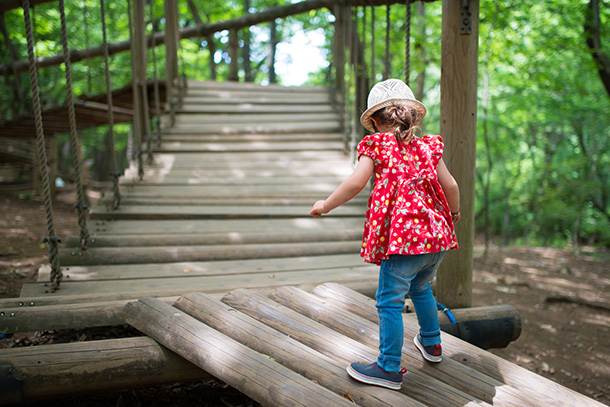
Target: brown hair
402,120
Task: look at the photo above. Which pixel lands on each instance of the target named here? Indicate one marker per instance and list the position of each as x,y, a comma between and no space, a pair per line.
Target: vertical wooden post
339,49
459,55
172,37
234,55
139,72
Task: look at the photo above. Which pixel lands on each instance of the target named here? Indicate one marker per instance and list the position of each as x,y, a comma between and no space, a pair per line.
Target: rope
81,207
156,80
408,42
116,202
136,136
52,240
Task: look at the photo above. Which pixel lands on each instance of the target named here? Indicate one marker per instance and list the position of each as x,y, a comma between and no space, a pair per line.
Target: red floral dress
408,212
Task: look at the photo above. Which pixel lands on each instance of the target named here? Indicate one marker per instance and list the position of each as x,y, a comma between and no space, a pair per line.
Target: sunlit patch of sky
300,55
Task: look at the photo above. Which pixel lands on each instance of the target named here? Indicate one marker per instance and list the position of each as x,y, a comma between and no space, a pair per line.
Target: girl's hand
455,217
318,209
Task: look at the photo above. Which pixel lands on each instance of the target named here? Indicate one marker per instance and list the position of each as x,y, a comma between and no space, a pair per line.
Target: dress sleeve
436,145
369,146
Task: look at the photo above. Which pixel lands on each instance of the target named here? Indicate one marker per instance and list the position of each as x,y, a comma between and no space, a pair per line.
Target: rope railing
74,142
52,240
115,173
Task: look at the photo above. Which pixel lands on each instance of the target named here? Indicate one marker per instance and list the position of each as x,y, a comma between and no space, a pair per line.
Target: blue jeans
401,275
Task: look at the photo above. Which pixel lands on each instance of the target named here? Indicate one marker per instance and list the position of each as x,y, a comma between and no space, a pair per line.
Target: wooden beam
250,372
541,391
71,369
458,127
449,372
342,349
202,30
286,351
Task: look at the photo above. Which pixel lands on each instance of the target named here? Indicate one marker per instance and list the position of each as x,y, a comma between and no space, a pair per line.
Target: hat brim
366,121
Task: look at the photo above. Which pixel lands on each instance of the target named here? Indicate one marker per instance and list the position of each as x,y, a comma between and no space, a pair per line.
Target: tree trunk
593,35
245,51
273,40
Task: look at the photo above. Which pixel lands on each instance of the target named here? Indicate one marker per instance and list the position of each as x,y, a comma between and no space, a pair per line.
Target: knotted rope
52,240
74,143
116,202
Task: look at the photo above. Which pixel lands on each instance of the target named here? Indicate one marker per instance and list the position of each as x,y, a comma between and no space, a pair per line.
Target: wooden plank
107,201
211,239
214,212
342,349
287,351
238,181
171,286
177,147
94,366
235,364
537,387
239,118
203,191
232,138
211,268
198,226
449,371
193,105
245,128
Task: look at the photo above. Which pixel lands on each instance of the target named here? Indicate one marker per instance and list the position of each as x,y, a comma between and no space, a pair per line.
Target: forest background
543,146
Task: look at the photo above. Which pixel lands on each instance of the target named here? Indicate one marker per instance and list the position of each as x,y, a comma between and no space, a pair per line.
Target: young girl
409,224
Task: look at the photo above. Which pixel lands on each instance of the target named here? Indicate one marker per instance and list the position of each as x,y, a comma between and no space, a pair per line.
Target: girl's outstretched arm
348,188
451,189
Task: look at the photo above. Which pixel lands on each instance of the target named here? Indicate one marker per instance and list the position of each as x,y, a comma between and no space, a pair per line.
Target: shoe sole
372,380
428,357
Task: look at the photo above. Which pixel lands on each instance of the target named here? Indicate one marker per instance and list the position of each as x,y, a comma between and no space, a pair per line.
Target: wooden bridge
214,257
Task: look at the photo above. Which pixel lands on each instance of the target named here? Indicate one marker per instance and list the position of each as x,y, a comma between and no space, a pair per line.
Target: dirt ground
562,298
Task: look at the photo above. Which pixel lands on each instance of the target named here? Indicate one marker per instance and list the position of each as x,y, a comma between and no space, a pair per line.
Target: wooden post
458,129
139,72
172,37
339,49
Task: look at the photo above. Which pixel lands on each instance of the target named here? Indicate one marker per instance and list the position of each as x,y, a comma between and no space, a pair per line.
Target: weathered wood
449,371
344,350
171,286
537,387
227,359
146,227
287,351
459,128
162,254
210,268
218,239
214,212
94,366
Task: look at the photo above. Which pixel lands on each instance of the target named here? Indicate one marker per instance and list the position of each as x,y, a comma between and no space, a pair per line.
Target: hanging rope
52,241
115,173
408,42
74,143
136,134
386,74
156,80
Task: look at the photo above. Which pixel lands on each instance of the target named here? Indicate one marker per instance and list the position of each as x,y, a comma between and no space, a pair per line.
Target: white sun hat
391,92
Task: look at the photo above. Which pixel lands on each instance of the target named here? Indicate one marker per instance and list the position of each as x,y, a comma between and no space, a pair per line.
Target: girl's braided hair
401,119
